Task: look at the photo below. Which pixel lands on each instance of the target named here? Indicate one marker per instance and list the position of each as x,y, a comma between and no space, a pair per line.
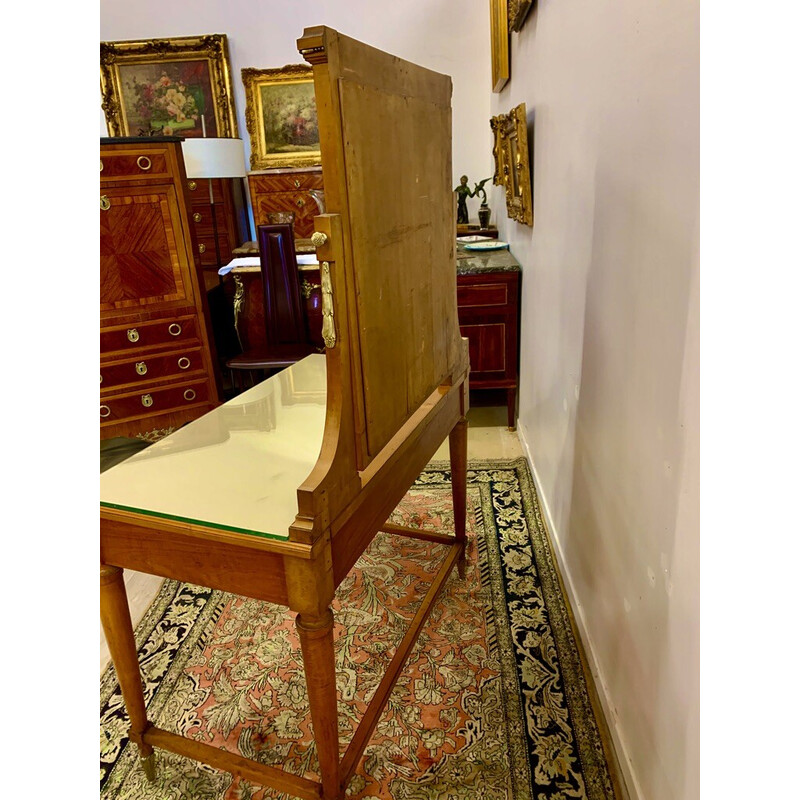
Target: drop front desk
275,494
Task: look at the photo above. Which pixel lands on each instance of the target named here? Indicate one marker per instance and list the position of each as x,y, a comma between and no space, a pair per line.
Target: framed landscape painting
281,116
179,86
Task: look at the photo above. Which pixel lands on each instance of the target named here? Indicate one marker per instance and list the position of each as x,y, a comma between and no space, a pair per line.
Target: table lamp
214,158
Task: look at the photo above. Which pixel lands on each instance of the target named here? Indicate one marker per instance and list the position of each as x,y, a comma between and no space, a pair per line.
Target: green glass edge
216,525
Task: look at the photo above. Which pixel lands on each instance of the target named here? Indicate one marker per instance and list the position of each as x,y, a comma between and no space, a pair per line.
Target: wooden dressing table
275,494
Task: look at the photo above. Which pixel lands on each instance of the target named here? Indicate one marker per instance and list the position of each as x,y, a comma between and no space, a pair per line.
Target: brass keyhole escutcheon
192,186
141,368
144,163
105,203
133,335
296,183
201,248
300,202
147,400
197,216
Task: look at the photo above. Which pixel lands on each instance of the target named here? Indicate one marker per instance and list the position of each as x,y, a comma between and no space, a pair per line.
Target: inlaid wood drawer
203,220
488,294
135,164
153,400
285,181
198,189
206,247
145,369
286,191
153,333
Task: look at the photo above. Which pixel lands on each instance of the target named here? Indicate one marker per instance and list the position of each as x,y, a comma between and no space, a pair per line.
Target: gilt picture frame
179,86
501,65
512,163
517,13
281,117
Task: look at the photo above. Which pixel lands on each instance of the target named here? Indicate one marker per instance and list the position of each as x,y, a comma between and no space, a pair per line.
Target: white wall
448,36
609,398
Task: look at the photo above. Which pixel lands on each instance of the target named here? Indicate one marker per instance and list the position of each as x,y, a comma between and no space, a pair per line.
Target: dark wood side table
488,315
488,286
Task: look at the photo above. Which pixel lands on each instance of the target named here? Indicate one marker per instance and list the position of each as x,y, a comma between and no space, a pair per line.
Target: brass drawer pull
189,394
201,248
147,400
296,183
197,216
101,165
192,185
141,368
105,411
133,335
175,329
300,202
143,162
184,363
105,203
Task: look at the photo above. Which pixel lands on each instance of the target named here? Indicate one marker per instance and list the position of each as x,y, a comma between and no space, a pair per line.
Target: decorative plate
492,244
471,239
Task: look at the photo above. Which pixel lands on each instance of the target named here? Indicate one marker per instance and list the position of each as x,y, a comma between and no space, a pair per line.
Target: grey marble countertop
474,262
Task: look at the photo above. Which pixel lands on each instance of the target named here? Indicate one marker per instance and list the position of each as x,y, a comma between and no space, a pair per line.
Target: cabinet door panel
487,348
142,252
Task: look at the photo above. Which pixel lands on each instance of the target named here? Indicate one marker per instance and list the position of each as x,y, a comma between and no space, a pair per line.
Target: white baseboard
631,784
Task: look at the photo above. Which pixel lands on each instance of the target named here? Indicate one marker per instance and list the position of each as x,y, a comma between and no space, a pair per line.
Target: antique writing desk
275,494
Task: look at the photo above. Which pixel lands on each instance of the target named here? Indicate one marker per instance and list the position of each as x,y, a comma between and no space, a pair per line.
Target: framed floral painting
281,116
179,86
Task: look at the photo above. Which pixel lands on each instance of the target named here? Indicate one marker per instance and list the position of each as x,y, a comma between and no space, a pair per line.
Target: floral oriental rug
493,703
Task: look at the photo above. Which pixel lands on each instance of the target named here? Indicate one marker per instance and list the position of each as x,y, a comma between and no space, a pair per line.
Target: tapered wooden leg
458,480
116,618
511,400
316,641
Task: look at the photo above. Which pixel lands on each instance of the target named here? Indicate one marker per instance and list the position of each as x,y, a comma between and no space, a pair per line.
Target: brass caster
149,766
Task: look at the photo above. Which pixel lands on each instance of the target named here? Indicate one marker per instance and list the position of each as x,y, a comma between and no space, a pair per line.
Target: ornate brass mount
328,326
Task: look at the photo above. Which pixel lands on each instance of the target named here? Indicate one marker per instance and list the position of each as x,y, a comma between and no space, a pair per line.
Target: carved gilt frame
517,12
511,163
212,48
255,82
498,10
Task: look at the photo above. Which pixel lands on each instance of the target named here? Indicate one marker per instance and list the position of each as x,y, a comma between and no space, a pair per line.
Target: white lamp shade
214,158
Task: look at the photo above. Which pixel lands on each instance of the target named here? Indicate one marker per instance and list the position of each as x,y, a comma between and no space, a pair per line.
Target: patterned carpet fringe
493,703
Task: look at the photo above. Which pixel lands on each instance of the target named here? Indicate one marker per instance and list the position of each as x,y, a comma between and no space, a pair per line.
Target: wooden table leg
316,641
116,618
511,401
458,480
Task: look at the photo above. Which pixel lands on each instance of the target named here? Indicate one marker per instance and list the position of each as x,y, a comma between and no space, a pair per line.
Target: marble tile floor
488,437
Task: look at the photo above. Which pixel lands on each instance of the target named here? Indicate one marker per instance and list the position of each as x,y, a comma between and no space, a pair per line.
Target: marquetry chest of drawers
157,366
286,190
215,249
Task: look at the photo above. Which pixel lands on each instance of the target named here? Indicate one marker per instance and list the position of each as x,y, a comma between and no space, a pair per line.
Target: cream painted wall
609,396
448,36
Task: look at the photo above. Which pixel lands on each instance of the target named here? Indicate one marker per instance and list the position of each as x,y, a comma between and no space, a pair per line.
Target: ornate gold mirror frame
511,164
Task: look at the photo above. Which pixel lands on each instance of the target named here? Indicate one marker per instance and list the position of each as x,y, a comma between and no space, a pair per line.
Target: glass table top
238,467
